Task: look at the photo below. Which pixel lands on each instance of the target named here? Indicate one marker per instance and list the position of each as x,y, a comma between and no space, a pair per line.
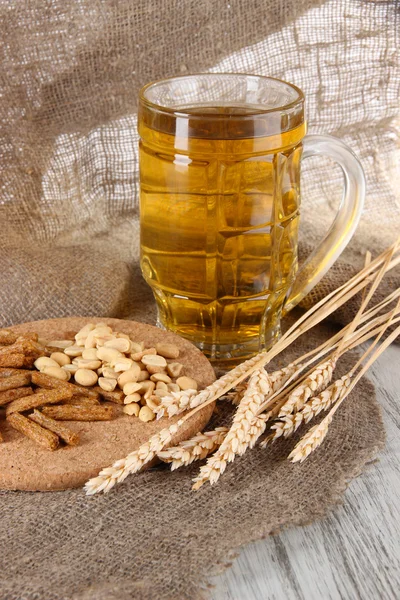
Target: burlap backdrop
69,79
70,75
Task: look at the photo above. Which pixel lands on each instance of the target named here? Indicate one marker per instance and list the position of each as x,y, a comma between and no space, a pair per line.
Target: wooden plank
354,554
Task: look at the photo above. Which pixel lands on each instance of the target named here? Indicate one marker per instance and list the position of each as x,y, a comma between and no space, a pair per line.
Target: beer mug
220,158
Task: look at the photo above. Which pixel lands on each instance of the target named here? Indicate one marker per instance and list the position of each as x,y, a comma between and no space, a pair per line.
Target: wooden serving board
25,466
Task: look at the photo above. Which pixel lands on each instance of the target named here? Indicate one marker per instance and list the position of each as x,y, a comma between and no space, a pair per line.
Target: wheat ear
196,448
239,436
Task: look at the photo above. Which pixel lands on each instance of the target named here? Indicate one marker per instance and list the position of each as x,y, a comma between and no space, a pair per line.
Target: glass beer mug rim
293,104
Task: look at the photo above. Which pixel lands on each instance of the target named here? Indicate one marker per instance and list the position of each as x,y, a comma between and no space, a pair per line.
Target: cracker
80,413
11,395
12,360
117,396
7,337
38,399
68,436
47,439
51,383
14,381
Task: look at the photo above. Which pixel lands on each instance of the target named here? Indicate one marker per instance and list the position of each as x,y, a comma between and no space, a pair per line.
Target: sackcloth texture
69,81
153,538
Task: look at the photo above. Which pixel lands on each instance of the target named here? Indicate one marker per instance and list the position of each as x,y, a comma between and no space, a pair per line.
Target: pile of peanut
111,360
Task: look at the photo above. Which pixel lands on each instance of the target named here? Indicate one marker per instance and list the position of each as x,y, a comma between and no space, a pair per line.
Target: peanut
132,398
73,351
121,364
153,370
187,383
131,388
86,377
149,389
109,354
44,361
89,354
132,409
146,352
160,377
109,373
107,384
62,344
159,393
84,332
56,372
174,369
88,364
143,375
136,347
146,414
154,360
167,350
131,374
71,369
60,358
153,402
121,344
160,385
173,387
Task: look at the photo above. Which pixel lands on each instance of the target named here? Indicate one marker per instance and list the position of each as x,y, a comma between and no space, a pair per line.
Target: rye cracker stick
14,381
82,401
117,396
52,383
11,395
68,436
80,413
38,399
7,337
4,372
24,346
14,360
33,431
33,337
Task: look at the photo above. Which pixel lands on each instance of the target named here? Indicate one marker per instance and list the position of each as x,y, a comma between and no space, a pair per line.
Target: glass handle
346,220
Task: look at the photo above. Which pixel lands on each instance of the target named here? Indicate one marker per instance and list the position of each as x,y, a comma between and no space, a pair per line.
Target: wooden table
354,553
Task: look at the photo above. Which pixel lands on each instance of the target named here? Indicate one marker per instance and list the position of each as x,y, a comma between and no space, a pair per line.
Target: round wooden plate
25,466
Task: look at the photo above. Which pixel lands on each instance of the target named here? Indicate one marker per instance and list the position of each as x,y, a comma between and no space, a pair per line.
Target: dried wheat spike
279,378
177,402
315,382
289,423
241,434
133,463
196,448
310,441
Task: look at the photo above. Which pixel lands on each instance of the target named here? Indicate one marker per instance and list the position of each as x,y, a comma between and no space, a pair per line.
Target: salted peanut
71,369
37,399
167,350
154,360
131,388
136,347
125,336
153,402
90,354
102,328
60,358
145,352
132,409
7,337
121,344
122,364
150,389
152,369
117,396
84,332
11,395
109,354
107,385
146,414
109,373
173,387
187,383
36,433
135,397
45,381
160,385
73,351
143,375
61,344
69,437
160,393
131,374
87,363
160,377
45,361
174,369
68,412
14,381
86,377
57,372
14,360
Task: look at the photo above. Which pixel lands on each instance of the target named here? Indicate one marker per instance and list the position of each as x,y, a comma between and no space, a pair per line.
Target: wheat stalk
196,448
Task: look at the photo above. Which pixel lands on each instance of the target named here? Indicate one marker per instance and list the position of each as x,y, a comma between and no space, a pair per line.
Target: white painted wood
353,554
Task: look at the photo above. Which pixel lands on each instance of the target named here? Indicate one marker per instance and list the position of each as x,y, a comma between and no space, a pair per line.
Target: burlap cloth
69,245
